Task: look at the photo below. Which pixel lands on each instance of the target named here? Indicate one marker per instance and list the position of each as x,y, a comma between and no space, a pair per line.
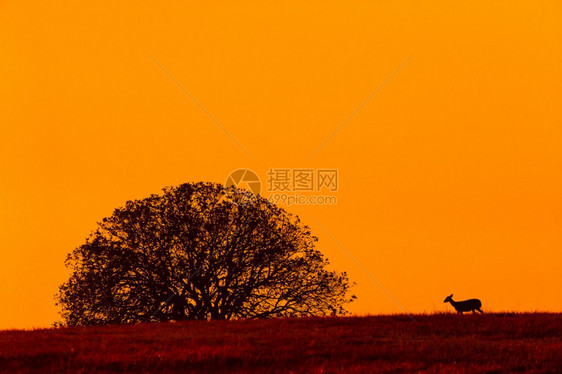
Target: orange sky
450,176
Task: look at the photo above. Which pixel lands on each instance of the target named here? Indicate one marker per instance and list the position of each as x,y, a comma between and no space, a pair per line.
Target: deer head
449,299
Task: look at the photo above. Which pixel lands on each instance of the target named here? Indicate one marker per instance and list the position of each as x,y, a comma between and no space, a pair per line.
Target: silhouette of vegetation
204,253
438,343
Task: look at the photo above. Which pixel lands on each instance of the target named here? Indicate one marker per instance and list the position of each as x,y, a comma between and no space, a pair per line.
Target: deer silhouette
466,305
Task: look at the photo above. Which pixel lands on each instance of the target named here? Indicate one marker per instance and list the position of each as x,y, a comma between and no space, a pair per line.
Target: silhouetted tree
210,256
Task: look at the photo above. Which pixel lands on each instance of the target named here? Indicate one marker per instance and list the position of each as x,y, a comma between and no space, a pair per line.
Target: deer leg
480,310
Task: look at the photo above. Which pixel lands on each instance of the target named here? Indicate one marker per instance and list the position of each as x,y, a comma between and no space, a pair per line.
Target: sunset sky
449,157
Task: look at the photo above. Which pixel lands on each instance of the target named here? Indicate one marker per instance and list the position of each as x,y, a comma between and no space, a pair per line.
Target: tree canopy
199,251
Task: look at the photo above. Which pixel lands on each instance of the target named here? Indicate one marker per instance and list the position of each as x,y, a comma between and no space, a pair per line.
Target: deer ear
451,295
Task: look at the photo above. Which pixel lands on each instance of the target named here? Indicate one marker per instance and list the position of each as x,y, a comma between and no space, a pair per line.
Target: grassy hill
440,342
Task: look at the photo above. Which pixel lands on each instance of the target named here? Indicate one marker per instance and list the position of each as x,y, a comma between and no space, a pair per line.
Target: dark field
430,343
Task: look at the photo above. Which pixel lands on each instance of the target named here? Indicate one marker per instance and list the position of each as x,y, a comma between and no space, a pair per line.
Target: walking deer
466,305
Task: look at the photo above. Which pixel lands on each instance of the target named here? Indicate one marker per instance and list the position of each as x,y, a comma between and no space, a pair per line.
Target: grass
430,343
